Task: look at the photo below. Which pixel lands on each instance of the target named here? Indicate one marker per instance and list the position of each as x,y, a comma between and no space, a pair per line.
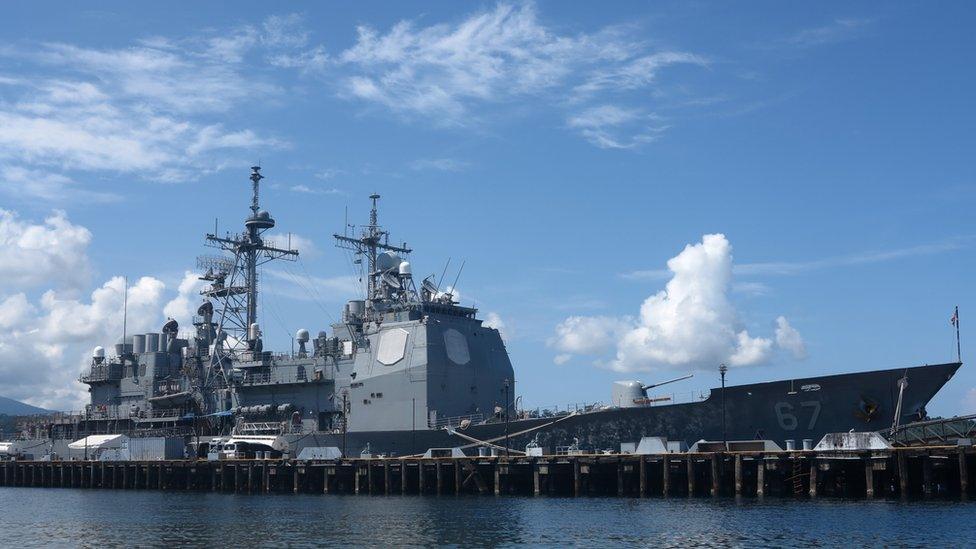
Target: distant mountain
12,407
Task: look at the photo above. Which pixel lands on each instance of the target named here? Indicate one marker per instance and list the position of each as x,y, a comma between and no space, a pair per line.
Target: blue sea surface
32,517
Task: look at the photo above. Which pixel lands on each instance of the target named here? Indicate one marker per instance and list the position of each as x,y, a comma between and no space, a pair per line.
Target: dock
922,472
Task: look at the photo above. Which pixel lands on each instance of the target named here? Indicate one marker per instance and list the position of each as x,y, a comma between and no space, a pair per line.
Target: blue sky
565,152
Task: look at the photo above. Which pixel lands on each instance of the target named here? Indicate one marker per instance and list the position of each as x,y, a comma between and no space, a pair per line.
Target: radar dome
387,261
302,335
405,268
98,352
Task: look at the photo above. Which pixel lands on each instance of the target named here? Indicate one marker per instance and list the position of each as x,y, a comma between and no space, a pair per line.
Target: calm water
89,518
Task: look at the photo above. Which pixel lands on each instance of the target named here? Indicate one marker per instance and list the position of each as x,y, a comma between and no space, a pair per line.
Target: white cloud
14,311
185,304
836,31
789,339
969,401
690,324
48,186
562,359
612,127
494,320
52,252
146,109
284,31
438,164
45,346
444,72
588,335
305,189
789,268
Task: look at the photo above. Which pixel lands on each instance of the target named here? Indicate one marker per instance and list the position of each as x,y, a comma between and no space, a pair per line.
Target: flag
955,318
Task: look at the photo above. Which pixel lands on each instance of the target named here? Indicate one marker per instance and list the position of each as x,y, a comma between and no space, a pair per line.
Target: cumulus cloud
187,300
46,341
45,345
789,339
692,323
495,320
50,252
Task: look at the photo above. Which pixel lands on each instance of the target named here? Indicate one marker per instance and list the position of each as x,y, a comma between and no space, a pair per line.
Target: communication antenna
444,272
454,286
125,308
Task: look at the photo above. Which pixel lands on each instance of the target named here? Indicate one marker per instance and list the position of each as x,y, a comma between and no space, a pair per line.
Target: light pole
507,384
722,368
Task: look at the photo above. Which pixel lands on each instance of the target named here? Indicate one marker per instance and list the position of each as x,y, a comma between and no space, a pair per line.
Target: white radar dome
405,268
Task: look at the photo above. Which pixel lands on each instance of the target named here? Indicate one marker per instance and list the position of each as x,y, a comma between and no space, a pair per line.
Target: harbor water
110,518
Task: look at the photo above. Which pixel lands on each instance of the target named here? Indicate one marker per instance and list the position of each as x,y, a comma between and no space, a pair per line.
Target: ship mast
372,239
234,276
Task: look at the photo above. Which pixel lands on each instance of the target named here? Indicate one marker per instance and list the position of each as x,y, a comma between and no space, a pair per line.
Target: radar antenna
372,239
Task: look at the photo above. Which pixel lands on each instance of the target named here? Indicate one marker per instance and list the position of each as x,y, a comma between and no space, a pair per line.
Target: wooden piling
577,481
665,476
813,477
294,475
458,488
902,473
868,478
620,478
386,477
715,475
963,473
250,478
536,485
420,480
498,477
403,476
927,486
761,476
691,476
642,471
738,474
440,477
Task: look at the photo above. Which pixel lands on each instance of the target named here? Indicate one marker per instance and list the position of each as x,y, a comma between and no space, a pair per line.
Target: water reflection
89,518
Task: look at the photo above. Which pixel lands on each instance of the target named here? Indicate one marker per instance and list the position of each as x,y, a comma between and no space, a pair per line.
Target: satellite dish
387,261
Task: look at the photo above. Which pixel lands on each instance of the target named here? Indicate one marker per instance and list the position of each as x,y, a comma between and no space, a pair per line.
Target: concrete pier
904,472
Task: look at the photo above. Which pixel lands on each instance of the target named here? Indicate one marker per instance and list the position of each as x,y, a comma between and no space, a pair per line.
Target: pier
917,472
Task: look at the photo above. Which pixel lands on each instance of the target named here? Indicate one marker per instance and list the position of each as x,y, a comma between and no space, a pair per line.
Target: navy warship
407,369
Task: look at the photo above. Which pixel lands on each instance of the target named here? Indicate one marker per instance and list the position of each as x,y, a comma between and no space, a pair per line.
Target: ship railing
455,421
934,431
93,411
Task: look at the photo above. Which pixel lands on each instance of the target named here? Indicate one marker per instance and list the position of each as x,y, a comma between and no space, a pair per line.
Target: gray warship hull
794,409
